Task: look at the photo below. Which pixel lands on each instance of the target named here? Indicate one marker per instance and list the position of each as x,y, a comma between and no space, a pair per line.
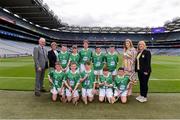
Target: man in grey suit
41,63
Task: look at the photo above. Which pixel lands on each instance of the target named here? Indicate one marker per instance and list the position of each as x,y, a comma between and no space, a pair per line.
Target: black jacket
52,58
144,62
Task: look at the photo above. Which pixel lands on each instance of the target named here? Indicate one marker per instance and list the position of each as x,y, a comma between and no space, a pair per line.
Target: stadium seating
9,48
20,37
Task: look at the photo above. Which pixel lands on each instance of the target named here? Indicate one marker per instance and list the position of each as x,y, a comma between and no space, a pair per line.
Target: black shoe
43,90
37,94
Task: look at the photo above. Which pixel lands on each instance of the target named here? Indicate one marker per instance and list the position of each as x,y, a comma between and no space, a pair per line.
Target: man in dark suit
53,55
143,68
41,63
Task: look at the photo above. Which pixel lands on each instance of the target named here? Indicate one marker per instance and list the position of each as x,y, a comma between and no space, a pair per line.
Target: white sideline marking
47,78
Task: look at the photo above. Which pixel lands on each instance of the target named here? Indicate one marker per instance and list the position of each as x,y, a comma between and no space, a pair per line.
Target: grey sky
131,13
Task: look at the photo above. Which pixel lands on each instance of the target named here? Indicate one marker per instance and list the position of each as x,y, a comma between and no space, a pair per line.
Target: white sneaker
139,97
142,100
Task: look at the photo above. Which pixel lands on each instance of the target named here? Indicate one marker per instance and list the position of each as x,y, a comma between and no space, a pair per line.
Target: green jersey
85,55
111,61
57,77
105,79
75,58
98,61
72,78
88,83
63,59
121,82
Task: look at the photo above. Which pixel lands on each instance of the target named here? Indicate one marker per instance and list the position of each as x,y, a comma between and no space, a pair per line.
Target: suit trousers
39,79
143,80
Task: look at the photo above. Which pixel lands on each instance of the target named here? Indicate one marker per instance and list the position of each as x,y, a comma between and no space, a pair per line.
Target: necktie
43,52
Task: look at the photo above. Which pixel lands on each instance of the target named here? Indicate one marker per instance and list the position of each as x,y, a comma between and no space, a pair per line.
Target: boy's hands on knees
94,91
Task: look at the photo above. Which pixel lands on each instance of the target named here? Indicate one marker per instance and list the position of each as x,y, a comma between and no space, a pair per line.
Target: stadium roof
173,25
78,29
34,11
38,13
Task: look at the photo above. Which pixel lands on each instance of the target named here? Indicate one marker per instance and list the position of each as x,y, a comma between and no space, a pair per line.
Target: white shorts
56,91
87,93
68,93
114,72
82,67
123,94
98,72
105,92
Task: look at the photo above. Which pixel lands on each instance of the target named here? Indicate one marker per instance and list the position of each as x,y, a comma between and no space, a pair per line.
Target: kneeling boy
121,84
105,86
57,78
88,83
72,83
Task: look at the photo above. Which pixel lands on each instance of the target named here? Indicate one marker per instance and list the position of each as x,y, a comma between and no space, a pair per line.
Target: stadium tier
19,34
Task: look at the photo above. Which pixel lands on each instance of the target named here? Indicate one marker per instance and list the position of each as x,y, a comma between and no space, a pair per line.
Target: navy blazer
52,58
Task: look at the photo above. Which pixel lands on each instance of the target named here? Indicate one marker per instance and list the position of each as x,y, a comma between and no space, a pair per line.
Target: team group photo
89,59
84,74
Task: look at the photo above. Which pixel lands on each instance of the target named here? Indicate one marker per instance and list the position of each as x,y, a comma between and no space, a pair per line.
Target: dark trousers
143,80
39,80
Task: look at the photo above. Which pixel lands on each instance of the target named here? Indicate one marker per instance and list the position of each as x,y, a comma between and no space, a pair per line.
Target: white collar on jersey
74,54
120,76
58,71
111,53
86,49
63,52
74,72
107,75
88,71
98,54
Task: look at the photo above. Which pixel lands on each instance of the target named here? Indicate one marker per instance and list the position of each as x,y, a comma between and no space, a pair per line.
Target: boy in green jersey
57,78
85,55
106,86
64,58
121,85
72,83
112,61
74,57
98,60
88,83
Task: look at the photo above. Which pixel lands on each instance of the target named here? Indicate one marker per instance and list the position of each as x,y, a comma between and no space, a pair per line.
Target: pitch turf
20,104
18,74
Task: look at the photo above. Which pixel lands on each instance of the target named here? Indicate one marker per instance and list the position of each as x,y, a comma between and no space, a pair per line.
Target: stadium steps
16,45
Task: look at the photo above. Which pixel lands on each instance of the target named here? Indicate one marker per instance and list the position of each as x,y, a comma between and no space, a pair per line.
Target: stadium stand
21,27
9,48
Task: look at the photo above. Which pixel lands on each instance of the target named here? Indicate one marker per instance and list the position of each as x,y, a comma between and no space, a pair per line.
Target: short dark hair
97,46
85,41
57,63
74,47
112,46
63,45
121,68
105,69
87,63
73,63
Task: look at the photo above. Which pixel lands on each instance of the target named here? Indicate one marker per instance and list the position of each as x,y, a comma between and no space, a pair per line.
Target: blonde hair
130,42
53,43
141,42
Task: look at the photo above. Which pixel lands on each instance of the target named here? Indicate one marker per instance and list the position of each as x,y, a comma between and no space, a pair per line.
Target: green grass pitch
18,74
18,100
